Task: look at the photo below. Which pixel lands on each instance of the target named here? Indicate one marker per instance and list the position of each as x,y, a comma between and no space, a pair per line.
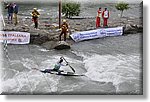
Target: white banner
98,33
13,37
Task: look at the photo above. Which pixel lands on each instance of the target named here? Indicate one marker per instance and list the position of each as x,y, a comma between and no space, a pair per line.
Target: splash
117,69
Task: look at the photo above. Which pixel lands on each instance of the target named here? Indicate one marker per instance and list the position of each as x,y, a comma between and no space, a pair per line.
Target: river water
111,65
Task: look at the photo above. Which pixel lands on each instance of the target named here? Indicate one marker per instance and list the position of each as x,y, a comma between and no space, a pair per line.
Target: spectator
15,7
98,18
105,16
10,12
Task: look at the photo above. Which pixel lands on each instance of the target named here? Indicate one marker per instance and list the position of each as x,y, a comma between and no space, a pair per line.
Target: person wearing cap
56,68
35,14
105,16
64,30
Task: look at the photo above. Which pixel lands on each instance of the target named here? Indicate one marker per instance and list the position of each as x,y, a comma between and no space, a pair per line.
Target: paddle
69,64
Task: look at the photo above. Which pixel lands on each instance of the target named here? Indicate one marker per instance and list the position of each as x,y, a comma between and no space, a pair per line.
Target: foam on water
116,69
121,70
40,10
29,63
43,50
29,81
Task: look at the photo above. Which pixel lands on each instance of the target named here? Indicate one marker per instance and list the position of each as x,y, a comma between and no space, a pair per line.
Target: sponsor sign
13,37
98,33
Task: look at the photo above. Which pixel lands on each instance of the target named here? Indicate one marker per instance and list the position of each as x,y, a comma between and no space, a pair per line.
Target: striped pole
5,40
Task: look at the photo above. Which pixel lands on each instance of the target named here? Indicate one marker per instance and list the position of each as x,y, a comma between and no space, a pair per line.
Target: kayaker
56,68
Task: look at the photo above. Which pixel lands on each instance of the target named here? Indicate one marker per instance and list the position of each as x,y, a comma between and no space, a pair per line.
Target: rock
25,25
78,24
40,40
62,45
28,17
90,28
133,29
72,30
49,45
53,36
77,29
55,25
133,26
140,28
130,29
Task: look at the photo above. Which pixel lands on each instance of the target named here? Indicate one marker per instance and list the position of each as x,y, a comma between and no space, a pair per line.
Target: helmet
61,57
64,20
61,60
34,8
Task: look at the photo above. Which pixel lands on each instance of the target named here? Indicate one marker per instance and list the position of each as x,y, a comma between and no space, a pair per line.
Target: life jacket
57,66
35,14
64,27
99,13
106,14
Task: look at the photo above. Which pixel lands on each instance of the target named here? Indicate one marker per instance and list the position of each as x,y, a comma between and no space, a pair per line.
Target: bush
121,7
70,9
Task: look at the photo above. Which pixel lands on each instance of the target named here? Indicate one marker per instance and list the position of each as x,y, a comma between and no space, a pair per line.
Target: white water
123,71
117,69
30,81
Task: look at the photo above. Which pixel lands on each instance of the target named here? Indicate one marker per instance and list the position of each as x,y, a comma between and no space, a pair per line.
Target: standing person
10,12
64,30
15,6
98,18
105,16
35,14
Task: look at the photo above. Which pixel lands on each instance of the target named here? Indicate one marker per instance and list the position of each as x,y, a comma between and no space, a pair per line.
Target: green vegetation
70,9
121,7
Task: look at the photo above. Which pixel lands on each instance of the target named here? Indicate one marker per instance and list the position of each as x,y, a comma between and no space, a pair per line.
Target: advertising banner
98,33
13,37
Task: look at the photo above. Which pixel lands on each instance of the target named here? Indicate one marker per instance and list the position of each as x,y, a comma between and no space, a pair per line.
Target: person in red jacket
105,16
98,18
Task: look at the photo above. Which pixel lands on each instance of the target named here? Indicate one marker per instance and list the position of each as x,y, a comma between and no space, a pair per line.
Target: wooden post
59,13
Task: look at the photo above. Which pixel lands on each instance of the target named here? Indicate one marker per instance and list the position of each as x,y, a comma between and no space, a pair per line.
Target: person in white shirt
105,16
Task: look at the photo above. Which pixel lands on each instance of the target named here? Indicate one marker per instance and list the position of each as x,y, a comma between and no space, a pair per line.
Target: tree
121,7
71,9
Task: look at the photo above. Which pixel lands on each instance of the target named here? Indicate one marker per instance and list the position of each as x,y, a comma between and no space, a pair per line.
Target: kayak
62,73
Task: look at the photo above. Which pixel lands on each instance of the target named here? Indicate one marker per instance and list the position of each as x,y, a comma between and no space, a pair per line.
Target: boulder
49,45
133,29
130,29
39,40
140,28
62,45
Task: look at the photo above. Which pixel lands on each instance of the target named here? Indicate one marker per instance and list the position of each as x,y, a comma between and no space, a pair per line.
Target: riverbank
48,28
48,31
